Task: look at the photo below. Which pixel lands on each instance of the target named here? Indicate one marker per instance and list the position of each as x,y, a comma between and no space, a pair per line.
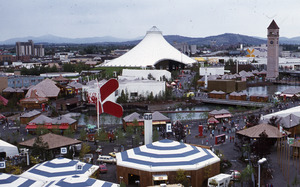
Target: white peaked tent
152,50
8,148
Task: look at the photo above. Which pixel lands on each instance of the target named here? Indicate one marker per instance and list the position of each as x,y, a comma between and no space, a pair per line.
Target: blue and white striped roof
166,155
8,180
80,181
59,168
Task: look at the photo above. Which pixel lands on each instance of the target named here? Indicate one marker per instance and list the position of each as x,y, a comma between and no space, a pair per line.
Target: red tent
2,116
3,100
212,120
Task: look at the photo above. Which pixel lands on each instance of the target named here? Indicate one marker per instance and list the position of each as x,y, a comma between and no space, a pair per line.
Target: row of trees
65,67
167,95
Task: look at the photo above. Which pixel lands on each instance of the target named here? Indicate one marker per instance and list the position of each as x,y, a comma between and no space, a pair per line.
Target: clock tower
273,51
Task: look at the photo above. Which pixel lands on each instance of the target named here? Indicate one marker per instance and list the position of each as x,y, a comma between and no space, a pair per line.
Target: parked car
113,154
103,168
107,159
235,175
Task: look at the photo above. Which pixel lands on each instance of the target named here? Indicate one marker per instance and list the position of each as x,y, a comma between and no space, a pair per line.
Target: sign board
63,150
290,141
2,165
168,127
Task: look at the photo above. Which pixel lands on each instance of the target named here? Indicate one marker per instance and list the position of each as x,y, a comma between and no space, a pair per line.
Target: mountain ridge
222,39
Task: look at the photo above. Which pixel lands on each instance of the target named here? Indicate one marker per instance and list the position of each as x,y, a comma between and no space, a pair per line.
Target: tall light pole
261,161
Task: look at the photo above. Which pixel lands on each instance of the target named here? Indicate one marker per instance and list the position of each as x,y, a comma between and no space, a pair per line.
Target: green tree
150,96
274,121
12,169
246,174
40,148
181,178
155,135
120,135
85,148
69,132
83,135
129,131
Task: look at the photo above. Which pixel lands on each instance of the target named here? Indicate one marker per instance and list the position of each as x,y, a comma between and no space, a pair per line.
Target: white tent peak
154,29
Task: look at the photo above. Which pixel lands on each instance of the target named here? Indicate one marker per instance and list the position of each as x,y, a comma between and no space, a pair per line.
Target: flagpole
97,105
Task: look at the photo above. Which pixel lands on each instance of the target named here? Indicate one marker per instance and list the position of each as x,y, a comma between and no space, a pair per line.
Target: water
268,90
108,120
261,90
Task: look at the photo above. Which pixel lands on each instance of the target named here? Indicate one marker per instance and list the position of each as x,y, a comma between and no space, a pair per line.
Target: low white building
134,88
211,71
143,88
131,74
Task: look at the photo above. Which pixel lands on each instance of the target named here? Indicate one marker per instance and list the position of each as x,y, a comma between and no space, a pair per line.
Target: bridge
234,102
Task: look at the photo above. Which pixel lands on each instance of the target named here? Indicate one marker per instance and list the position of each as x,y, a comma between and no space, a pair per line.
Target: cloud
132,18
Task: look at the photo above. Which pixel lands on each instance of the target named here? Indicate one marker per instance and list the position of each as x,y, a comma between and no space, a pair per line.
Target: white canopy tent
150,51
9,149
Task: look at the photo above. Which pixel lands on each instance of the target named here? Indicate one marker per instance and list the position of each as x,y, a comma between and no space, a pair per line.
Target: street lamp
261,161
189,179
121,179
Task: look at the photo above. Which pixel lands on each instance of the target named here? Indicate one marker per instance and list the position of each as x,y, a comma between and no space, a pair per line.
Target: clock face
271,42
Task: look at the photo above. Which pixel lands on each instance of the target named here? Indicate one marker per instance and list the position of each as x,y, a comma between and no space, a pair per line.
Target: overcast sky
132,18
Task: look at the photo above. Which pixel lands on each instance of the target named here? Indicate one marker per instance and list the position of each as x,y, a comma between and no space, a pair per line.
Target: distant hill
223,39
58,40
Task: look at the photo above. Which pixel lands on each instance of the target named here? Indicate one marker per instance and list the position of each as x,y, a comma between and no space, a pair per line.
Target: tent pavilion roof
30,114
166,155
219,112
150,51
15,180
289,121
292,91
9,89
46,88
156,116
53,140
59,168
255,131
41,119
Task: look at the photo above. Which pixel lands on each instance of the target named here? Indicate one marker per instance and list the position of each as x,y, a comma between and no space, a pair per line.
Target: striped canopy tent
80,181
59,168
13,180
166,155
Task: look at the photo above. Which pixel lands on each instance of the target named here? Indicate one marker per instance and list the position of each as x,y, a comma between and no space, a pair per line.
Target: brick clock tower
273,51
